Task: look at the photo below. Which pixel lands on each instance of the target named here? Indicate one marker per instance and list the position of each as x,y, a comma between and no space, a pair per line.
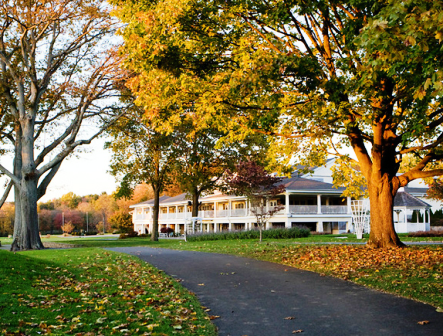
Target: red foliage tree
254,182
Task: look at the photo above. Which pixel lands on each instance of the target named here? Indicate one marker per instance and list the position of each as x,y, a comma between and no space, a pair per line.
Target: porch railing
303,209
334,209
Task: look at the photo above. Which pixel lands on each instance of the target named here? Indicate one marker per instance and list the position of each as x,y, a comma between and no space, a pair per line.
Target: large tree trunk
195,198
154,229
381,197
26,231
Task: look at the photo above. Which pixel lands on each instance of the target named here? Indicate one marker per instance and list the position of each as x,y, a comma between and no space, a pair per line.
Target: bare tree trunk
261,232
195,198
26,234
154,229
381,197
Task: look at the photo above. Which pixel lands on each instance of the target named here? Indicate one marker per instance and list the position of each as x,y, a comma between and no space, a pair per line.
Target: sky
83,174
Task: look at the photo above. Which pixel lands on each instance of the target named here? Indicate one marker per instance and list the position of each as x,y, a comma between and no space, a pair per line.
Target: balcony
206,214
303,209
334,209
313,209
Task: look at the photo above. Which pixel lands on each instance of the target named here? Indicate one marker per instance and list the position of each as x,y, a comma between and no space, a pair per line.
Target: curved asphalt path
258,298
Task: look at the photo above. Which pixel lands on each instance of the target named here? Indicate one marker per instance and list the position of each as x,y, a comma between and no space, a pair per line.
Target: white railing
334,209
295,209
238,212
222,213
142,216
303,209
206,214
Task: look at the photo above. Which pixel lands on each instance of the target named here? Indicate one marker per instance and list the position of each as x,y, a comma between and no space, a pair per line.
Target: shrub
128,235
167,230
426,234
295,232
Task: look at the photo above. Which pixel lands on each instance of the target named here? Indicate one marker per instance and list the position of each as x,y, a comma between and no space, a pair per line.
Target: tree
7,219
105,205
316,76
203,159
251,180
70,200
141,155
122,221
435,191
67,227
56,76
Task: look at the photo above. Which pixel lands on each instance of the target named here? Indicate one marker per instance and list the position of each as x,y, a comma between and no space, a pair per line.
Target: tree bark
381,197
156,211
26,230
195,198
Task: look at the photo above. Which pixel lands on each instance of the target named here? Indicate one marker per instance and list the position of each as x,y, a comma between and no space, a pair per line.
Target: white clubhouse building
309,200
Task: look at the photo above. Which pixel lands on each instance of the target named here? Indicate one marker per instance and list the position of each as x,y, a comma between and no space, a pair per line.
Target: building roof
405,199
175,199
150,202
417,191
306,184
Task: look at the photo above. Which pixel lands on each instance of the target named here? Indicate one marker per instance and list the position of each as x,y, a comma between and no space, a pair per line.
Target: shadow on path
258,298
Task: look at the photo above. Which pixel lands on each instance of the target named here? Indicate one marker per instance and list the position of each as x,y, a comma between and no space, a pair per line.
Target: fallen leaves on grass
415,272
107,294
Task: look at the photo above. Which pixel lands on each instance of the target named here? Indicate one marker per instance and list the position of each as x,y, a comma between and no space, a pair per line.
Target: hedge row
295,232
426,234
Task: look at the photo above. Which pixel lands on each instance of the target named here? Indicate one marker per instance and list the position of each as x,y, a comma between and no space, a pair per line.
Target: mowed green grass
414,272
91,291
106,241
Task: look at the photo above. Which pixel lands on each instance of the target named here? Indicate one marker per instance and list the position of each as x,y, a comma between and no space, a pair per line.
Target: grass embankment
93,292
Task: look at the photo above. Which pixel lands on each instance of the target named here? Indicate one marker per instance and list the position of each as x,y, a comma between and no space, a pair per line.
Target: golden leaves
92,296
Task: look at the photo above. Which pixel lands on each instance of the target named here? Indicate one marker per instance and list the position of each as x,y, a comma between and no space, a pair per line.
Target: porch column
176,211
319,226
215,209
288,223
287,210
230,225
348,203
319,204
348,226
167,212
229,208
215,227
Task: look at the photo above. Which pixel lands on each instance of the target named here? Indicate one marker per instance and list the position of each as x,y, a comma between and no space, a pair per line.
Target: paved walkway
257,298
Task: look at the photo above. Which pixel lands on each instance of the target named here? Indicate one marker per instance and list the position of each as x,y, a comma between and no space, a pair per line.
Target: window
240,205
273,203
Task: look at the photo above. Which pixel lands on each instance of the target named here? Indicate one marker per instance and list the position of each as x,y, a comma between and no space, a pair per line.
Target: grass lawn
415,272
93,292
106,241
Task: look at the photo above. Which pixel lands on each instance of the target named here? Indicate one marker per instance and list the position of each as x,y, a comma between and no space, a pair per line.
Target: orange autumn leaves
415,272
